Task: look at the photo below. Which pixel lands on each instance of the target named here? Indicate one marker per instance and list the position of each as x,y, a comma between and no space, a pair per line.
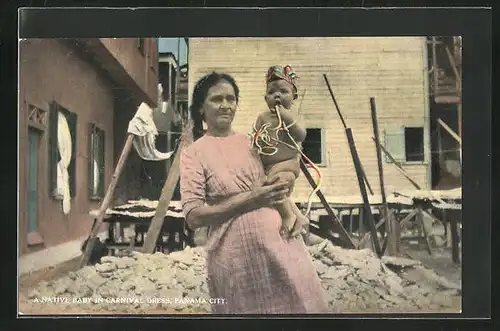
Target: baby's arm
296,130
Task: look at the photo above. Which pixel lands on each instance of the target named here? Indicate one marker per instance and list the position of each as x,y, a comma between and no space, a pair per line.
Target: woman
250,267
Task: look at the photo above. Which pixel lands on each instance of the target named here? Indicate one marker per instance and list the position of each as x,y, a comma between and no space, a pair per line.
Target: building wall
390,69
49,71
142,67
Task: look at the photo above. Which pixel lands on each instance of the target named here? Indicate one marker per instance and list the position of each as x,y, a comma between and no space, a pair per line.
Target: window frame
322,147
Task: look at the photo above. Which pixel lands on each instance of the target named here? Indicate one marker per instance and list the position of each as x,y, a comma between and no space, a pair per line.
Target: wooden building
394,70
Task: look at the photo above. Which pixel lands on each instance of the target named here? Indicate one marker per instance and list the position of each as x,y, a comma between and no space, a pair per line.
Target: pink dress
249,265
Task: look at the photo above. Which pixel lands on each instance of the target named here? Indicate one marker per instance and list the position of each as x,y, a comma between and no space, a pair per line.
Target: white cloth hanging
144,129
64,146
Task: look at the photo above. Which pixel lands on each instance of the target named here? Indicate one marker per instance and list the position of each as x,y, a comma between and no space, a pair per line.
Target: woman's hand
270,193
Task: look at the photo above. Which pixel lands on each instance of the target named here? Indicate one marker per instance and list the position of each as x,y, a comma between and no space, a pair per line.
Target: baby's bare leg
285,209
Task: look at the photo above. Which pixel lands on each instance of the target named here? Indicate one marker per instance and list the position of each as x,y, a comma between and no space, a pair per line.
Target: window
312,146
414,144
405,144
96,162
62,151
140,45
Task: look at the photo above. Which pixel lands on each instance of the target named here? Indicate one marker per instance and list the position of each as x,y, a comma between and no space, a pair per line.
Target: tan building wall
391,69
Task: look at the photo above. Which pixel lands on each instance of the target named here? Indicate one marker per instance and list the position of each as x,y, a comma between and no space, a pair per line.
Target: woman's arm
216,214
260,196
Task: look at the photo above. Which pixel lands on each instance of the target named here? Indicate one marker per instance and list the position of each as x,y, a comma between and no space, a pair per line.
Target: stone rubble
354,280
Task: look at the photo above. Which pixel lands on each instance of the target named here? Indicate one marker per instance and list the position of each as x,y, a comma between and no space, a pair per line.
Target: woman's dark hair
200,94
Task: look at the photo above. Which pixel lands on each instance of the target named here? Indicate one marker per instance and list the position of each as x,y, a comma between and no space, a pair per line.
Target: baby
277,137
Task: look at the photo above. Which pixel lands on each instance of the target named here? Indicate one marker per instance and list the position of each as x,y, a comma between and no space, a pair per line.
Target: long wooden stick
164,201
392,235
342,231
364,194
450,131
397,165
107,199
345,127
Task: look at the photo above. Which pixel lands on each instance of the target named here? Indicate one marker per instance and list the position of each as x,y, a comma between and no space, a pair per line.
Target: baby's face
279,91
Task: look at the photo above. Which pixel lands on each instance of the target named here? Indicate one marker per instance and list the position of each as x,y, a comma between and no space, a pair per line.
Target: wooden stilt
420,219
106,201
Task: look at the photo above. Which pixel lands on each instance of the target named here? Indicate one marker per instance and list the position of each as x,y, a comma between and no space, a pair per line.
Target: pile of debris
355,281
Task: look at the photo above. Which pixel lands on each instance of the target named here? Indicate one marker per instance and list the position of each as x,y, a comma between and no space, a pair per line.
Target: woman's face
279,91
220,106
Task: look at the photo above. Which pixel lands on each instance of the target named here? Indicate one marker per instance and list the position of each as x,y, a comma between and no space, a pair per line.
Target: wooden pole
336,222
391,228
164,201
364,194
107,199
345,127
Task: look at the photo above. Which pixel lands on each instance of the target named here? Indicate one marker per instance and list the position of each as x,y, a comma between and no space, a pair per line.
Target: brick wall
391,69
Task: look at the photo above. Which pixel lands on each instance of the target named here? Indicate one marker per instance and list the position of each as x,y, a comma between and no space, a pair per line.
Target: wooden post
392,238
164,201
425,234
364,194
105,203
336,222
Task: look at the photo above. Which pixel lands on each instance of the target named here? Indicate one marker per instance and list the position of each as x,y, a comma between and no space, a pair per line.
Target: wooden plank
392,239
337,225
397,165
164,201
364,194
450,131
107,199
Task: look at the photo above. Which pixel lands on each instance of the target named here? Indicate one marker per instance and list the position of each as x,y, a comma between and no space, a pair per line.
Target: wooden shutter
91,154
101,154
71,119
52,148
394,143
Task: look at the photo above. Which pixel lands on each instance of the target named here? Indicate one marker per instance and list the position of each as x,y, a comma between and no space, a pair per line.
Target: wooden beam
397,165
407,219
377,226
164,201
106,201
450,131
364,194
390,228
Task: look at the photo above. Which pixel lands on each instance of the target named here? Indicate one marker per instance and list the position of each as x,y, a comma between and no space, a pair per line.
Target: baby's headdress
279,72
